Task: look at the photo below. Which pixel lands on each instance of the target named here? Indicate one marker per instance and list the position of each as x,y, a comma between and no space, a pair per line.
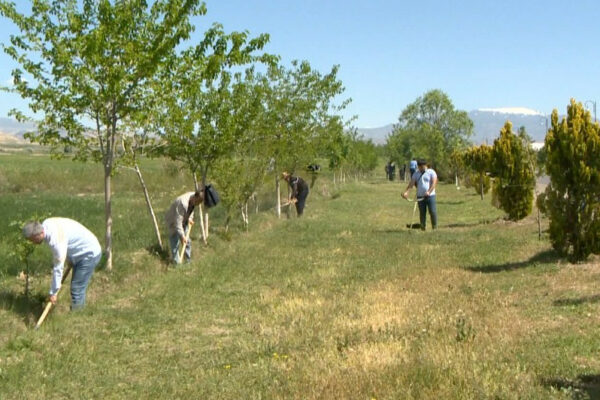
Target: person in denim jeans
69,241
425,180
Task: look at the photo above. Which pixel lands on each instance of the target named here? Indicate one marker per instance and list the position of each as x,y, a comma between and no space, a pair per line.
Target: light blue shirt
425,182
68,240
413,164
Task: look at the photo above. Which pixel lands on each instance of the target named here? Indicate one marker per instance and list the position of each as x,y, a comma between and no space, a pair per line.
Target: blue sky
535,54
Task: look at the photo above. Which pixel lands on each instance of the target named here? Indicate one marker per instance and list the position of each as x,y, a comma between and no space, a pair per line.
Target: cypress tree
572,199
513,166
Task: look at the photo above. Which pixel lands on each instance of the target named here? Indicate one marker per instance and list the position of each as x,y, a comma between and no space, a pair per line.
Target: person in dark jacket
299,191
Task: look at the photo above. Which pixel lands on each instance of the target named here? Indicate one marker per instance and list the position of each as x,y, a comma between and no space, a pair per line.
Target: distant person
299,191
392,169
412,168
179,215
69,241
387,170
425,180
314,170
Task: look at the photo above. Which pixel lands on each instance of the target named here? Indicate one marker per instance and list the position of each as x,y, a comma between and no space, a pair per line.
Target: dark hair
421,161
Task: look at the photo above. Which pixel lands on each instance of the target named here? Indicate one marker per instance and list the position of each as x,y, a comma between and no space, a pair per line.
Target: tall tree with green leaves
86,64
572,199
513,165
431,128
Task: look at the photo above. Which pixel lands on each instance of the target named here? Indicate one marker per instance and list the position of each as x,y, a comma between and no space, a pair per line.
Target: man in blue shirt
412,168
425,180
69,241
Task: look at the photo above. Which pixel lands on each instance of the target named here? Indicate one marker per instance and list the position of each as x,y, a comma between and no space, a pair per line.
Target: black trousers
301,201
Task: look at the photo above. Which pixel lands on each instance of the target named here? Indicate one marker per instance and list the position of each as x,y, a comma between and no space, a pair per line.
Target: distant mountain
487,124
15,128
377,135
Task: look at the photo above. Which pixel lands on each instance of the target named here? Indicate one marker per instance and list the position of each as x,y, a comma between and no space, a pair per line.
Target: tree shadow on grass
577,301
406,228
163,255
583,387
29,308
450,202
548,256
470,224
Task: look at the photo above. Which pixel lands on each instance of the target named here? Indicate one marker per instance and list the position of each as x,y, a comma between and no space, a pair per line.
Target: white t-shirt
424,183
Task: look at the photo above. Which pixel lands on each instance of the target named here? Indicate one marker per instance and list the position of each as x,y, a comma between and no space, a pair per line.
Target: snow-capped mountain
488,122
511,110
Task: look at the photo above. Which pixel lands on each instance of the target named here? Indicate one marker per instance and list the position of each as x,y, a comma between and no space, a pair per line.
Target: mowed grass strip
344,303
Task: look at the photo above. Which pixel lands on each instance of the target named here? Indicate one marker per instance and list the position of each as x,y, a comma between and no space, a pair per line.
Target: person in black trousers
299,191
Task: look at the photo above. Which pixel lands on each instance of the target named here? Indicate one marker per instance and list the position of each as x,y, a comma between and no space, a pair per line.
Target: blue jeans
428,203
82,272
174,242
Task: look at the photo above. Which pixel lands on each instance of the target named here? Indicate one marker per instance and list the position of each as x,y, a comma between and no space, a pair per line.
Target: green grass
345,303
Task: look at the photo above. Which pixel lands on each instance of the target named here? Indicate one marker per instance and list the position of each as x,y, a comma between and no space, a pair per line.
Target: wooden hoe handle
183,246
49,304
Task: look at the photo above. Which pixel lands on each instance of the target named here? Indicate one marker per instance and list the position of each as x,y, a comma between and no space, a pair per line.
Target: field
345,303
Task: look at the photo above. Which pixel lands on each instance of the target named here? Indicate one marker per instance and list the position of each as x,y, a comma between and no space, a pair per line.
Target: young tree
197,115
300,107
478,159
86,64
513,167
136,144
572,199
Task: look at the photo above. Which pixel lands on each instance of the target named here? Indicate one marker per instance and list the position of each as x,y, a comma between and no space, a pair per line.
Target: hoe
49,304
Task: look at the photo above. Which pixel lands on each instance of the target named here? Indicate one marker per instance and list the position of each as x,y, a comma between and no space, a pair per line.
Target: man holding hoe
178,217
425,179
299,191
69,241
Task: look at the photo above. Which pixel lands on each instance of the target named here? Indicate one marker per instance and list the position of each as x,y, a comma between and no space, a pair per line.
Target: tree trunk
27,277
108,217
247,216
278,193
149,205
195,181
481,186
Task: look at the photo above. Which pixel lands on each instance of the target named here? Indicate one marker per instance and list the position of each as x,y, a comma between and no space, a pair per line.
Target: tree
431,128
198,116
86,64
478,159
137,143
513,166
572,199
